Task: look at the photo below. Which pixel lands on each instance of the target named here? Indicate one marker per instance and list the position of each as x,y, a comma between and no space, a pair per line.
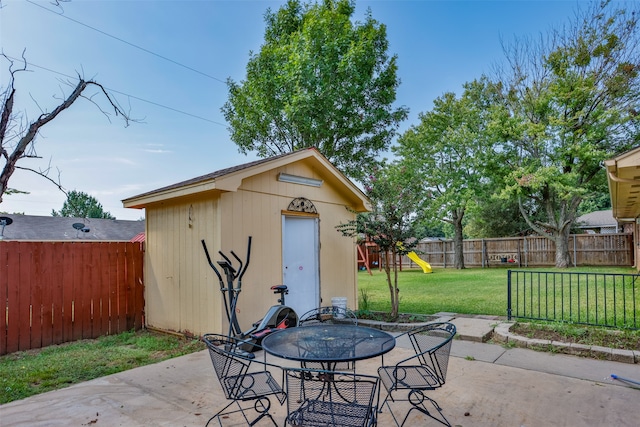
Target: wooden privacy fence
531,251
55,292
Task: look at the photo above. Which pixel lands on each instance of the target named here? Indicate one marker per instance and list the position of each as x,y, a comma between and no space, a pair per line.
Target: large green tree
445,154
571,100
82,205
319,80
494,216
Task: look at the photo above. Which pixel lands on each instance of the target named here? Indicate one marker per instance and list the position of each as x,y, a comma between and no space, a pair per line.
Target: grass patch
484,291
467,291
27,373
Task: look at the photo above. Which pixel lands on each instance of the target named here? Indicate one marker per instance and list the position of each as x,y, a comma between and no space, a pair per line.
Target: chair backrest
230,366
432,344
328,314
318,398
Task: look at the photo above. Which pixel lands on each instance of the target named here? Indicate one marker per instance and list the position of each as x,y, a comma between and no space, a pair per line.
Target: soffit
623,175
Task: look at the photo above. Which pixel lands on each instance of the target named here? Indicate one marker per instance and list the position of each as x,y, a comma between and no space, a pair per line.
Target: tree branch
27,139
46,176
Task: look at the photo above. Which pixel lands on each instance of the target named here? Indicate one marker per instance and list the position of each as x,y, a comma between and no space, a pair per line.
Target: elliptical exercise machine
279,316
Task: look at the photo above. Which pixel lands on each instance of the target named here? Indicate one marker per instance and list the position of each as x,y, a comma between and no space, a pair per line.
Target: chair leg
386,400
261,406
417,400
220,412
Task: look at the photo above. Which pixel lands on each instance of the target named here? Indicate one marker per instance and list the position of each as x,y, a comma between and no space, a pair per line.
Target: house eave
623,178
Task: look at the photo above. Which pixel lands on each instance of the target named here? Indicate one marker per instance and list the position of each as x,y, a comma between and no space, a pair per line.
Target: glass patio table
328,344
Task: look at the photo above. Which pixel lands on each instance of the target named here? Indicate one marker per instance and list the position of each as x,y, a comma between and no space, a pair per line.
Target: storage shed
289,204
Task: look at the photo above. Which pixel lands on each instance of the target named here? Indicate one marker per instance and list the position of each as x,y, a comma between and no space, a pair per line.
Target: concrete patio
487,385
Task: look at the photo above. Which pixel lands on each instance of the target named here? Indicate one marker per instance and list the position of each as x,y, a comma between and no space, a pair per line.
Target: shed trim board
224,208
295,213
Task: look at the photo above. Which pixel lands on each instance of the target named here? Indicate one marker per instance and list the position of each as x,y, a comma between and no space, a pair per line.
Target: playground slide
426,267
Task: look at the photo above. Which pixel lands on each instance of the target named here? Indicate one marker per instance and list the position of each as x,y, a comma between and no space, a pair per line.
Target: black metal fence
599,299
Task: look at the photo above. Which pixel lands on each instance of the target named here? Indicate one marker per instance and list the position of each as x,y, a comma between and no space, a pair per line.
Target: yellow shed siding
257,215
337,257
181,289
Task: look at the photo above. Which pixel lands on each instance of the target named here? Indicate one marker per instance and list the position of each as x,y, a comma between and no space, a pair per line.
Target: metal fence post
508,294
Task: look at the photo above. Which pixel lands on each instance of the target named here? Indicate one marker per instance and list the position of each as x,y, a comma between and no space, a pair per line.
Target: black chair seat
320,398
252,385
319,413
408,377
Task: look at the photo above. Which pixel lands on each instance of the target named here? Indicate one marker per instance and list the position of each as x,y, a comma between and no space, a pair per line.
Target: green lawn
468,291
26,373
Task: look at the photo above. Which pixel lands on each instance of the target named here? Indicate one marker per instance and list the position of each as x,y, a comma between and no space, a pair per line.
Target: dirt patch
402,317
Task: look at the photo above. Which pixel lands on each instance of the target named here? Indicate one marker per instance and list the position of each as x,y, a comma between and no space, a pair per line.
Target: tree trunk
558,227
390,259
563,257
458,238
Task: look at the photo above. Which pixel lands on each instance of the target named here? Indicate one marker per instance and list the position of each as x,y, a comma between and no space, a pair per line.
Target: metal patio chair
329,314
241,381
322,398
425,370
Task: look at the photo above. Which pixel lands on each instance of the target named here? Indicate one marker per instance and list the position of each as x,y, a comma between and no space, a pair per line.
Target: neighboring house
623,175
598,222
55,228
289,204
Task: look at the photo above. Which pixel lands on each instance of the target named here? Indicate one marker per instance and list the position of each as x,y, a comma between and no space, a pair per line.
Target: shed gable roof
229,179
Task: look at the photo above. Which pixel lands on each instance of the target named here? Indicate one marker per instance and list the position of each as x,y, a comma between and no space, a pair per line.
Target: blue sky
167,61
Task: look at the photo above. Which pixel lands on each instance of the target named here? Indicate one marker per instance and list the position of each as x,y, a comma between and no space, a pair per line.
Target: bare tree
17,139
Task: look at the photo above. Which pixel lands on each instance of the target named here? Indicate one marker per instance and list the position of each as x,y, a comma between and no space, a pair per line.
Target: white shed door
301,262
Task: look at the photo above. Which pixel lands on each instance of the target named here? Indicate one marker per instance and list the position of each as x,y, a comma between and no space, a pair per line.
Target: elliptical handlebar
239,262
213,267
231,291
242,271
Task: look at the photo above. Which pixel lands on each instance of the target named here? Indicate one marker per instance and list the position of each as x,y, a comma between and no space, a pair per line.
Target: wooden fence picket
57,292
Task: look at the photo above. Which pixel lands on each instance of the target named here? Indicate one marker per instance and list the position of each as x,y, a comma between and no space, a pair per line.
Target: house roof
231,178
28,227
597,219
623,175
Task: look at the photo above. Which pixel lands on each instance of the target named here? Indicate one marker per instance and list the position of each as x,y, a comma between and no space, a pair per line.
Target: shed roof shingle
597,219
29,227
